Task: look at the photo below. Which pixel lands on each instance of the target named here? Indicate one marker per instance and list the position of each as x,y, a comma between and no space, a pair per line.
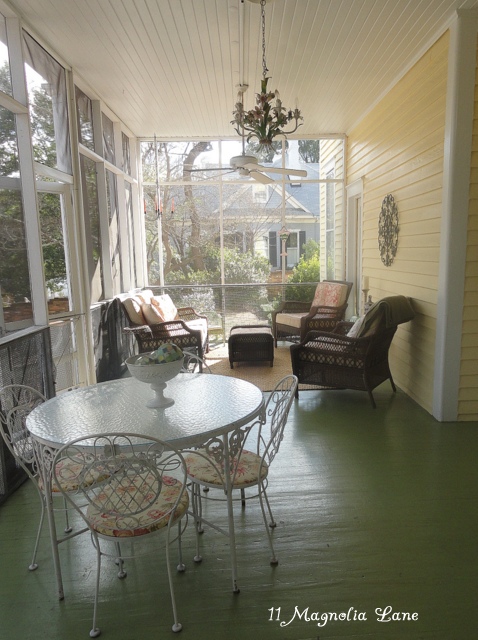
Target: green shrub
307,270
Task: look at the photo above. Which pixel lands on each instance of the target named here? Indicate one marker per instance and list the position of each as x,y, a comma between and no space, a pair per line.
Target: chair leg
68,528
120,562
48,502
181,566
33,565
197,515
262,498
272,522
197,506
95,631
177,626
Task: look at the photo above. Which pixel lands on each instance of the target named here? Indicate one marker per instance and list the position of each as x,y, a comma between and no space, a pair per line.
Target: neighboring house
301,220
311,210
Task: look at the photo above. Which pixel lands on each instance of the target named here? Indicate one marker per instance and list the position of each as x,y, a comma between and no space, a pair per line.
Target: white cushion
133,309
361,329
165,307
145,296
133,305
151,314
290,319
198,325
354,331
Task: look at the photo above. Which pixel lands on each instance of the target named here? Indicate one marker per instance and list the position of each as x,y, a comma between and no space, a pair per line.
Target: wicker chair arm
332,312
140,330
332,342
291,306
188,313
170,326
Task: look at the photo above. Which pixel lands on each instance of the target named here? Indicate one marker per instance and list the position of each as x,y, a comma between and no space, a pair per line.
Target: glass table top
205,405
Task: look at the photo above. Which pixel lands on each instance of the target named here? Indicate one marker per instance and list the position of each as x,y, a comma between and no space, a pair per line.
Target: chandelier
268,118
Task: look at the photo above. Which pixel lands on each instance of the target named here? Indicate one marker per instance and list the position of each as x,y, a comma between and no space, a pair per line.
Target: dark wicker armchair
340,361
293,319
154,320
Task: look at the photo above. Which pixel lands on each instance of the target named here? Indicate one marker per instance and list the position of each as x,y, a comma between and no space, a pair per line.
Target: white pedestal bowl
156,375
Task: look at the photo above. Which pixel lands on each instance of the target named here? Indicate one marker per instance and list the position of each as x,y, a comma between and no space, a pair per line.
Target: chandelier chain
269,117
263,20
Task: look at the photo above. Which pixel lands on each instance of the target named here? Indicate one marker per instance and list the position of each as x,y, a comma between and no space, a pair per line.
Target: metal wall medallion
388,230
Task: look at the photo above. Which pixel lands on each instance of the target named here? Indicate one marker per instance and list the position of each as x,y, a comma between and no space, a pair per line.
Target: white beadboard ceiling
171,67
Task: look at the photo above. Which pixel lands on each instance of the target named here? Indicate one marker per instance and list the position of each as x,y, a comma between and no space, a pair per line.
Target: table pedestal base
159,401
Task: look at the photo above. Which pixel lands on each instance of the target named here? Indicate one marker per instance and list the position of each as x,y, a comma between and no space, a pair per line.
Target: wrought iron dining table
206,407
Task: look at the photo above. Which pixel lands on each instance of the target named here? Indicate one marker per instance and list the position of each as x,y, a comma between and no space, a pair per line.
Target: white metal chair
194,364
247,467
16,402
128,487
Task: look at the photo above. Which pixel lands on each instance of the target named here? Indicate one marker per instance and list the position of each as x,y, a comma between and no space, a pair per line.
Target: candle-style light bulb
278,100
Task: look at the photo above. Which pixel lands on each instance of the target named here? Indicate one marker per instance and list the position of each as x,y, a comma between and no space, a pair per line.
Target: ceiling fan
248,165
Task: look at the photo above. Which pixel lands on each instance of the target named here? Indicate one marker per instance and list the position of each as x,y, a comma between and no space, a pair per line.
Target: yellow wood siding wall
398,148
468,394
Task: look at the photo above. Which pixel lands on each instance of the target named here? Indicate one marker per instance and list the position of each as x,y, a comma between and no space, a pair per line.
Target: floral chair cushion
69,474
123,498
245,471
330,294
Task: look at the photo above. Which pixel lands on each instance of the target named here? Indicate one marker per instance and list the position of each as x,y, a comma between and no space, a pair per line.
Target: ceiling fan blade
290,172
209,169
260,177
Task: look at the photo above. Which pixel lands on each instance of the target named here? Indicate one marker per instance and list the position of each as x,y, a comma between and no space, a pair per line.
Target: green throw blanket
394,310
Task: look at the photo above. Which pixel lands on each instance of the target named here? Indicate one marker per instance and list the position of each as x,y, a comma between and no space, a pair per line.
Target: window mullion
102,201
125,256
27,173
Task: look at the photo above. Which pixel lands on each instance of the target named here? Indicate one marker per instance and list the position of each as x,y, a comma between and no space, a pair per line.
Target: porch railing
237,304
224,305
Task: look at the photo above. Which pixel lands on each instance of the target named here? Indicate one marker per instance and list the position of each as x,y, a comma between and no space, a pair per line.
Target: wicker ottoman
253,343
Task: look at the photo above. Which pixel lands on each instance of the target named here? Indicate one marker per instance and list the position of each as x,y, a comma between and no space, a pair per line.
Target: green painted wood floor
375,509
